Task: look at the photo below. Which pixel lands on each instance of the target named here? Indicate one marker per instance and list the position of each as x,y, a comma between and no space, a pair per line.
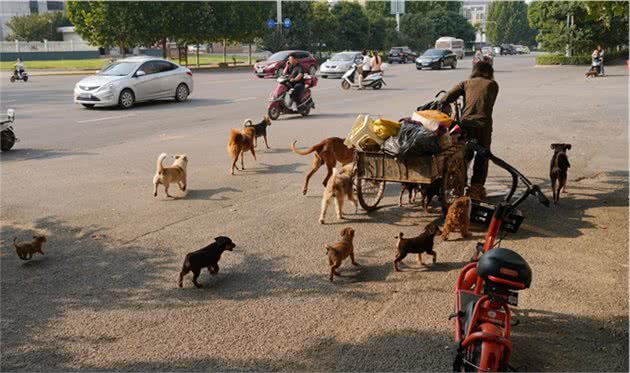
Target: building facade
476,12
10,9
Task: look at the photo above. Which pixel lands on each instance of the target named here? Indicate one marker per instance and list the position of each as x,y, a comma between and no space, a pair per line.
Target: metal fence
46,46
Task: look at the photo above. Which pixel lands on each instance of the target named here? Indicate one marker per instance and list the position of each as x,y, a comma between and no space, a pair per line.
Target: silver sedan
339,63
132,80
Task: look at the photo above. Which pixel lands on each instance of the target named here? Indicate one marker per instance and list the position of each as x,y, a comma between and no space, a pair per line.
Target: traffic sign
397,6
286,23
271,23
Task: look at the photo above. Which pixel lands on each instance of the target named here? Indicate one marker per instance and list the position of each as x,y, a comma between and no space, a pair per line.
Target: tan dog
339,186
238,143
176,173
329,151
25,250
340,251
458,218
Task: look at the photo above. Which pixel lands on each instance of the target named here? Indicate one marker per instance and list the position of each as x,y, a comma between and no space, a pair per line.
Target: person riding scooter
19,68
296,77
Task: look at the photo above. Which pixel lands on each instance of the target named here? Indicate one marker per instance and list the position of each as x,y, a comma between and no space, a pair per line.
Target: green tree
37,27
507,23
323,28
419,30
353,25
451,23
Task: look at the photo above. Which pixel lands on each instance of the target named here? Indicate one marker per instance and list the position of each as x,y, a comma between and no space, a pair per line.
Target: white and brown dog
176,173
340,187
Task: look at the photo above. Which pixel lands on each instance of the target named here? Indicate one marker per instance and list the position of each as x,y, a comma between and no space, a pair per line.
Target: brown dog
260,129
340,251
25,250
238,143
417,245
458,218
176,173
329,151
559,169
339,186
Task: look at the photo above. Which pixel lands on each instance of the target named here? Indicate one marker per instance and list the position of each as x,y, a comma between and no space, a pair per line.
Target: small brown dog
340,251
25,250
260,129
339,186
417,245
458,218
329,151
238,143
559,169
176,173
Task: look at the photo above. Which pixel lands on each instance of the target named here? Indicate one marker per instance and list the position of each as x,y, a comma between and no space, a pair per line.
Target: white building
9,9
476,12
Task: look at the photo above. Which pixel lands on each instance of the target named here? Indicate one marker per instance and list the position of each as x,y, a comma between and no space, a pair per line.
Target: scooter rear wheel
25,79
377,85
345,84
306,110
7,140
273,112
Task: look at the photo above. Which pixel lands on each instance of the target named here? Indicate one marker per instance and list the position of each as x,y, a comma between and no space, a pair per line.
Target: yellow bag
385,129
432,119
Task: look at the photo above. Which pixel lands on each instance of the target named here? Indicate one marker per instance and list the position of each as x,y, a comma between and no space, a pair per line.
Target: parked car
488,51
272,67
507,49
132,80
526,50
339,63
497,50
401,55
436,59
519,49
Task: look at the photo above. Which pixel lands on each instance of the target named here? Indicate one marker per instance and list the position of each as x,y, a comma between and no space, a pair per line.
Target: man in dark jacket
480,93
296,76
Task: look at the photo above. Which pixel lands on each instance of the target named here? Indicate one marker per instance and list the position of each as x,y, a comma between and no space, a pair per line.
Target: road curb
93,71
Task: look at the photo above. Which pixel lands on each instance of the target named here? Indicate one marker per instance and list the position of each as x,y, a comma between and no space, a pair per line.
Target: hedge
558,59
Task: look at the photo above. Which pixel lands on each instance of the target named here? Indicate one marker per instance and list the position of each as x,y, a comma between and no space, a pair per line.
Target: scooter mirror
11,114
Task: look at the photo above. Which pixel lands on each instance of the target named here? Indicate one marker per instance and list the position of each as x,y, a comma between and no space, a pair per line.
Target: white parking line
244,99
9,101
106,118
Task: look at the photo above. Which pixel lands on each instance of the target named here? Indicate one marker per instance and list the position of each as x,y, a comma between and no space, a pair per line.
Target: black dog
428,191
417,245
208,257
558,170
260,129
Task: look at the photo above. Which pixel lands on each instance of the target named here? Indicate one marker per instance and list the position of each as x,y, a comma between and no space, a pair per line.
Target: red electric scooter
487,287
280,100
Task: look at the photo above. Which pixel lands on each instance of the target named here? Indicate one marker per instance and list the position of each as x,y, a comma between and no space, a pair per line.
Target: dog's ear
553,146
568,146
267,120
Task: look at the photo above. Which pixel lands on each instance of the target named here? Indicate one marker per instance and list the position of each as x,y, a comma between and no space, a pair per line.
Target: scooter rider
296,76
365,68
19,67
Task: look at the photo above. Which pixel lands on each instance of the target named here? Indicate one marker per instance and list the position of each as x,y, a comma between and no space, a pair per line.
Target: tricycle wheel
370,193
7,140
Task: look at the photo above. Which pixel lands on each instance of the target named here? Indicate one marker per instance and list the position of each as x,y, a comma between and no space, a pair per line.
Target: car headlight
106,88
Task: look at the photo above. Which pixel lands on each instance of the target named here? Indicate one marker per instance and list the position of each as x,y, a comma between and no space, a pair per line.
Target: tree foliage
354,25
37,27
604,23
507,23
419,30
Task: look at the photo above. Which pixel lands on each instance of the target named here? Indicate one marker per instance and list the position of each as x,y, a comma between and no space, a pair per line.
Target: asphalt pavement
104,295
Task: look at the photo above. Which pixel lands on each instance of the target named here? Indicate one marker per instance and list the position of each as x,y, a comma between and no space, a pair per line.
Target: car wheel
345,84
7,140
181,93
312,71
441,65
324,76
126,98
88,106
454,65
418,68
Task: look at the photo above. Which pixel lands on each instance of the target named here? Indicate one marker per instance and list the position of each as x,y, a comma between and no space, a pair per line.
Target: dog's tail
306,151
159,167
247,122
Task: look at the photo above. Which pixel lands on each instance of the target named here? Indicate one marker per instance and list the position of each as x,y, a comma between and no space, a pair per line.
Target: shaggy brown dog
340,251
176,173
260,129
328,152
559,169
25,250
238,143
339,186
417,245
458,218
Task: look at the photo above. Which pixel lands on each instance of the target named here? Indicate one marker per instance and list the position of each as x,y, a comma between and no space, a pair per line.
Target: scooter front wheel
7,140
273,112
345,85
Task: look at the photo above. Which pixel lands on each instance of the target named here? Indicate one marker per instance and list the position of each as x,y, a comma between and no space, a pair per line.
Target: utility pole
279,14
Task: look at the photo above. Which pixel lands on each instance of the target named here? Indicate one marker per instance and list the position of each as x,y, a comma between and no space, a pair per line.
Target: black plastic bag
415,140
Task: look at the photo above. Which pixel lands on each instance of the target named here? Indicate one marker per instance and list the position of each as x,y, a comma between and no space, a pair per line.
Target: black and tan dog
417,245
207,257
558,170
260,129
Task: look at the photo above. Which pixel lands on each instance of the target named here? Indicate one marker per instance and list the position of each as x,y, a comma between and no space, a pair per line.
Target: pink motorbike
280,101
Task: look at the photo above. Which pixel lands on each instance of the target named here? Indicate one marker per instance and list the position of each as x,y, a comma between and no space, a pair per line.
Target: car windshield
395,50
119,69
280,56
433,52
343,57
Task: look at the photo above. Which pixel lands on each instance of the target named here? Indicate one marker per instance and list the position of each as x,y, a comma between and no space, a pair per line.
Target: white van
454,44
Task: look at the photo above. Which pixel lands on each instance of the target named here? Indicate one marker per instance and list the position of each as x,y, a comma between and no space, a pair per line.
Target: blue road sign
271,23
286,23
